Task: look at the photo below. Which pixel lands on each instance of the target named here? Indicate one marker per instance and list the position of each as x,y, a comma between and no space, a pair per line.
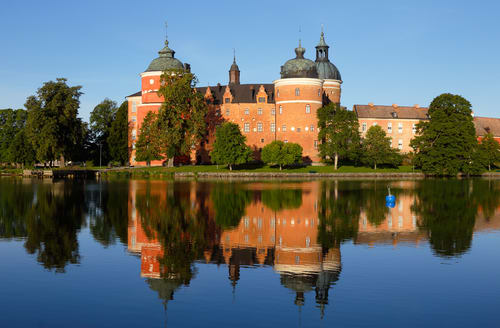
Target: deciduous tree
229,147
377,148
101,119
489,150
338,132
119,134
148,146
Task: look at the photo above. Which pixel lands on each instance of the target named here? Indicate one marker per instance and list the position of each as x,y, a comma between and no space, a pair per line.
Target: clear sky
403,52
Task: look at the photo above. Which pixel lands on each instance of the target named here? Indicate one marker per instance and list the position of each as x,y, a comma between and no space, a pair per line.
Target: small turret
234,72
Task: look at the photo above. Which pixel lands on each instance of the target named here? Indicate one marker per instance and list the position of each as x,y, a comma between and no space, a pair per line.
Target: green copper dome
326,70
165,61
299,67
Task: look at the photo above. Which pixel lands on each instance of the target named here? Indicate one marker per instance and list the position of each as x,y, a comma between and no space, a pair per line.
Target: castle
283,110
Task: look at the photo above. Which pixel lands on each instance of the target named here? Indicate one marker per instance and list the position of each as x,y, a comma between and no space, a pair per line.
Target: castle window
311,128
390,141
308,109
374,123
246,127
262,140
247,111
259,111
400,127
281,109
298,129
134,133
134,118
273,111
227,111
133,145
273,127
227,100
389,127
262,99
319,92
151,81
363,127
297,91
134,107
283,128
400,144
278,92
259,127
394,115
414,128
315,147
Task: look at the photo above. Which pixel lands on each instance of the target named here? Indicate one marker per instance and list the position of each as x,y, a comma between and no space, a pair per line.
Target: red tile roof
487,124
389,112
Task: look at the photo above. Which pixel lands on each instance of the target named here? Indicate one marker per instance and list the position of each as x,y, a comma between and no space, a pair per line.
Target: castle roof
391,112
299,67
242,93
486,125
165,61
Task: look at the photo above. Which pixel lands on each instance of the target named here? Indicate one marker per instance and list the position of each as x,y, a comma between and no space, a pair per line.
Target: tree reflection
230,201
278,199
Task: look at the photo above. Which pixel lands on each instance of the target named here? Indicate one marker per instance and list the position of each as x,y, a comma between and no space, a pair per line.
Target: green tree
119,134
53,126
181,118
278,199
20,150
11,123
101,118
377,148
338,132
489,150
148,144
280,153
230,202
446,144
229,147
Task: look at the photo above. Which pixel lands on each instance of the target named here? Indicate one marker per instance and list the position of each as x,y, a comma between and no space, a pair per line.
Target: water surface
249,254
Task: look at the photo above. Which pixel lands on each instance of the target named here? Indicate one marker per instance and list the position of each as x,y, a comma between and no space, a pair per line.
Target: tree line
49,129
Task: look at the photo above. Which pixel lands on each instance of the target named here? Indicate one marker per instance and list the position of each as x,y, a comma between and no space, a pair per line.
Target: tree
20,150
280,153
181,117
53,126
119,134
489,150
377,148
338,132
101,118
229,147
230,202
148,144
445,145
11,123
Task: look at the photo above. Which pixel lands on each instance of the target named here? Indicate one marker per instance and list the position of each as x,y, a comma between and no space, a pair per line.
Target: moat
315,253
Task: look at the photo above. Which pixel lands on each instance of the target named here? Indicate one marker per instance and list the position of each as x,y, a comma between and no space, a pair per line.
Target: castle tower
234,72
327,71
298,97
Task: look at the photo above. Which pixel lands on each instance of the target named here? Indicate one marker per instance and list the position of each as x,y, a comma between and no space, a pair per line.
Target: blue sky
403,52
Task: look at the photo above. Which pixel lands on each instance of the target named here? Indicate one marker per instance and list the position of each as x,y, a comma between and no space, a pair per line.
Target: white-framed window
134,107
315,144
281,109
259,127
375,123
151,81
389,127
259,111
273,127
247,111
414,128
319,92
134,133
400,127
246,127
273,111
363,127
400,144
308,109
278,92
297,91
134,118
293,128
283,128
311,128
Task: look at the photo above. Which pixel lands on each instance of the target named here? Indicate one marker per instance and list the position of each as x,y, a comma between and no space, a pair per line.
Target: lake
314,253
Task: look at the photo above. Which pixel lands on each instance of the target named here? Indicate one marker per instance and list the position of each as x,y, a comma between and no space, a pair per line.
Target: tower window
298,129
278,92
259,127
312,128
297,91
247,111
262,99
319,92
315,147
283,128
259,111
273,111
262,140
308,109
281,109
246,127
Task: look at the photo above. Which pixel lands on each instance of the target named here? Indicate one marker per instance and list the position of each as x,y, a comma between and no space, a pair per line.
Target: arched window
297,91
308,109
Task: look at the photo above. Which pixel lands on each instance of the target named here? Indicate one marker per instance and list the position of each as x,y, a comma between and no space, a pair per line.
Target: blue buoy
390,200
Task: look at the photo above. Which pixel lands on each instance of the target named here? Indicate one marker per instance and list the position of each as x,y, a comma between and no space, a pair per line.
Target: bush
281,154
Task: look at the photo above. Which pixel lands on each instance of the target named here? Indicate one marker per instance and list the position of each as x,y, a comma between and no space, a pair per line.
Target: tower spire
166,33
234,71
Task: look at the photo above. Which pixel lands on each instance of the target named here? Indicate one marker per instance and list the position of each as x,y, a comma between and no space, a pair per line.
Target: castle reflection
296,228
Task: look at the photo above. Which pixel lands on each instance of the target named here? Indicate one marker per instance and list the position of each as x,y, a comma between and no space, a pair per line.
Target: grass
259,169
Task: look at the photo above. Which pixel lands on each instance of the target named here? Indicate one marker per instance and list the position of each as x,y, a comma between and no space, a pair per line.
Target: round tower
327,71
298,96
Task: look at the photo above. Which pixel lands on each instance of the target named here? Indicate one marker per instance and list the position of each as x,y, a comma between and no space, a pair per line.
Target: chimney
395,105
417,106
370,104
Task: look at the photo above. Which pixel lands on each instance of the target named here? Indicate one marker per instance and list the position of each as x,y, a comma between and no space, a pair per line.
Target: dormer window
394,115
227,100
262,99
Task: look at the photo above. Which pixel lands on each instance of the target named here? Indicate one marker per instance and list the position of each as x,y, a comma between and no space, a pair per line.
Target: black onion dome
326,70
299,67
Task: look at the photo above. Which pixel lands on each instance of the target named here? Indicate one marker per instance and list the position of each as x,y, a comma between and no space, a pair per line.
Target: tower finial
322,30
166,33
300,45
234,55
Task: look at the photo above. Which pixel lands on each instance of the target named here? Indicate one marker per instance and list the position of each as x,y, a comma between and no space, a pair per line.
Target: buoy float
390,200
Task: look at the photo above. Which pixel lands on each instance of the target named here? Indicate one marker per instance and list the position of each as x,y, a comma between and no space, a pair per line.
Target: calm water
249,254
